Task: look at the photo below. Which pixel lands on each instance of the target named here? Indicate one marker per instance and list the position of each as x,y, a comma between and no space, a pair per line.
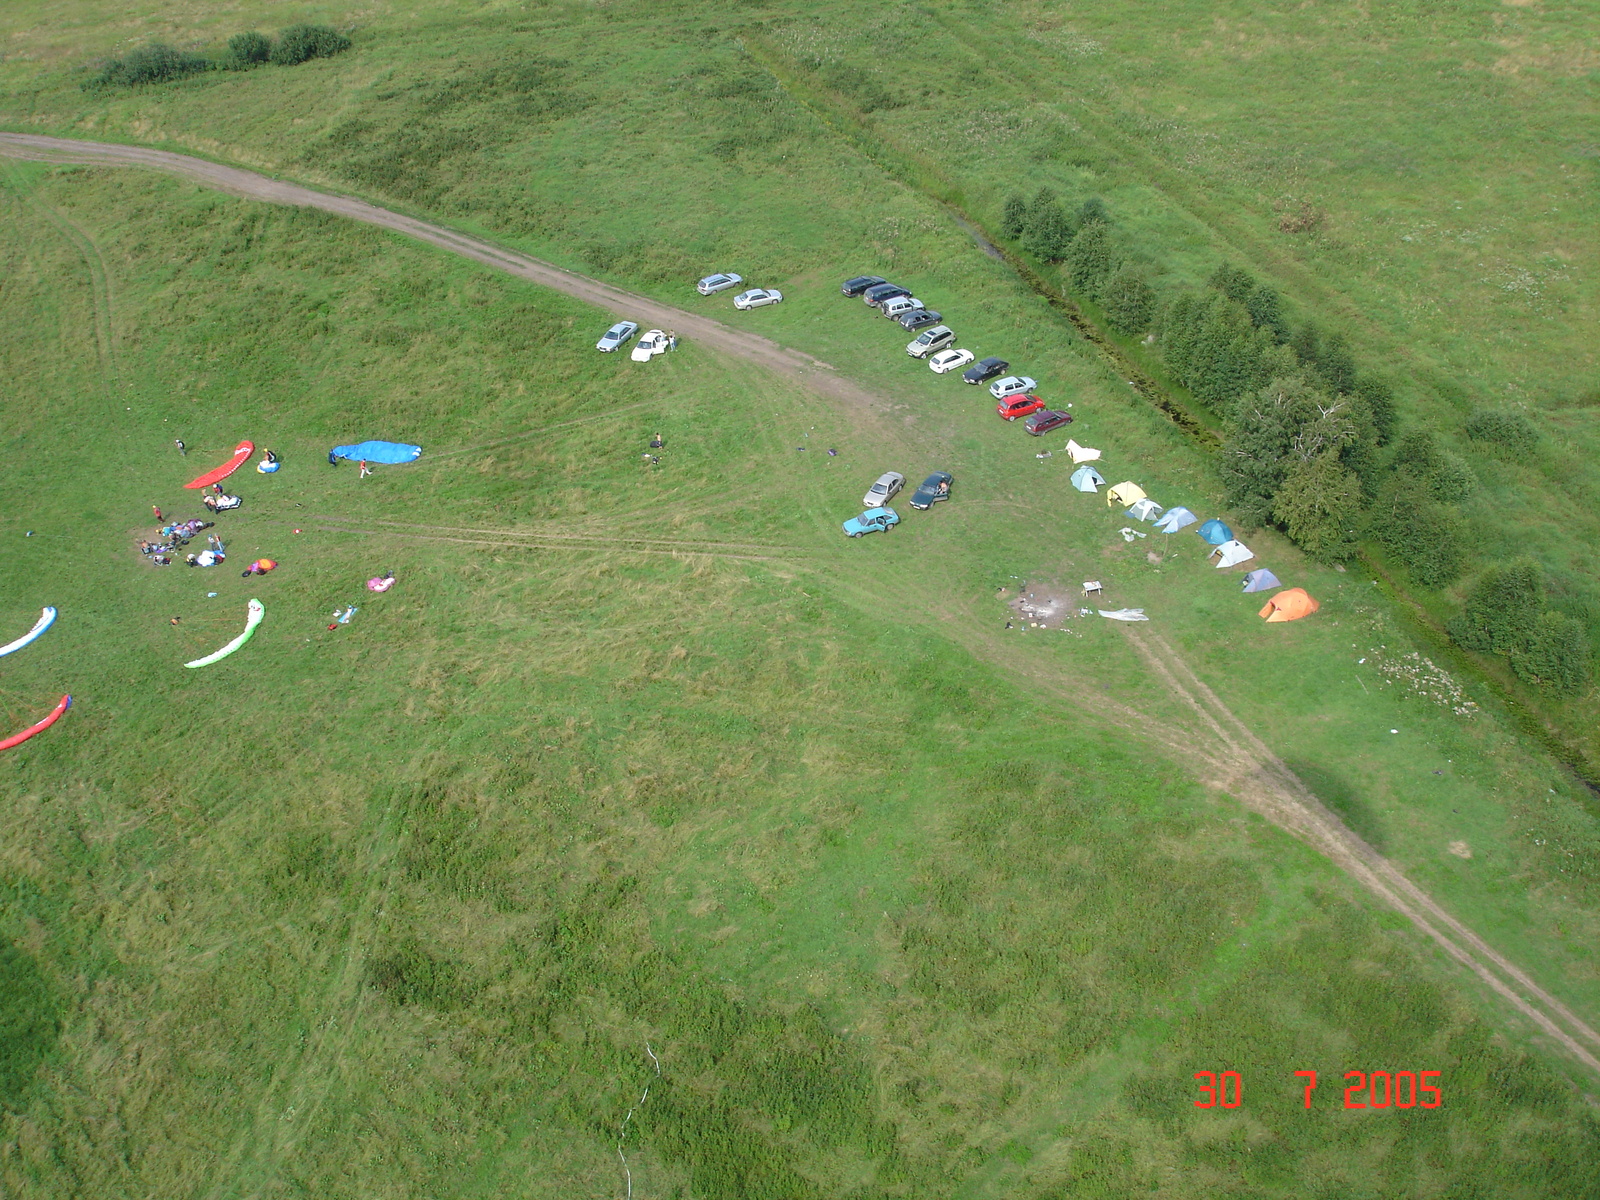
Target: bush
1014,217
1451,481
1501,609
1045,233
1556,656
1426,537
300,43
248,49
1129,301
1234,283
1337,365
1091,212
1088,259
1498,427
155,63
1266,311
1380,402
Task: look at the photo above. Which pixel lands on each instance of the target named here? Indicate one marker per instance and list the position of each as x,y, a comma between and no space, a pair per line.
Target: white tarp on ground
1231,554
1081,454
1125,614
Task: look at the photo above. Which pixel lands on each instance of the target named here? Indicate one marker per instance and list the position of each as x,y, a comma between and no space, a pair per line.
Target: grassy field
899,899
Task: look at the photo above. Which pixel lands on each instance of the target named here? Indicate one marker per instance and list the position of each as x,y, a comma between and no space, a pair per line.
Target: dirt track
1240,763
735,343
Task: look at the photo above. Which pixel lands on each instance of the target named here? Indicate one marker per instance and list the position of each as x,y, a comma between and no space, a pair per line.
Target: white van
931,341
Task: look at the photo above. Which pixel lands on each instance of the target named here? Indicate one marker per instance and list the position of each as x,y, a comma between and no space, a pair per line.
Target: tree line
1311,443
158,62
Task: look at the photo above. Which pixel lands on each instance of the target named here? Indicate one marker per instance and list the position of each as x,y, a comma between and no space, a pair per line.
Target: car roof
890,475
936,477
990,361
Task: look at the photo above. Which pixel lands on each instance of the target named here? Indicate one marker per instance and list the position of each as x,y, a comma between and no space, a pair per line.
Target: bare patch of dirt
1047,605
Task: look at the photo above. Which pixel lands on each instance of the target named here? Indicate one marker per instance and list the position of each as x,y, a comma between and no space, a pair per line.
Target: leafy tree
1319,505
1266,311
1451,481
1380,400
1014,217
1255,455
1089,258
1501,609
1426,537
1556,656
1233,282
155,63
1306,342
1129,301
248,49
1499,427
300,43
1045,233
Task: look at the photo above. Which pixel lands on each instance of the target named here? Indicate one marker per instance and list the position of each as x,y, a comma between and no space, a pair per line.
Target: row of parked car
1014,395
726,281
879,517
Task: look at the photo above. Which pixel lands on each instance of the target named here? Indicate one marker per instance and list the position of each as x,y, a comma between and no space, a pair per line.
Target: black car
854,287
935,487
917,318
879,292
985,369
1044,421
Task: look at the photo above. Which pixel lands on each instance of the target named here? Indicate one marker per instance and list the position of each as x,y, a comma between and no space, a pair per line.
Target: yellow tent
1290,605
1124,494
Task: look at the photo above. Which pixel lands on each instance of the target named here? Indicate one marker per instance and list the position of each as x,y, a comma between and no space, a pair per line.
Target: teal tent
1215,532
1087,479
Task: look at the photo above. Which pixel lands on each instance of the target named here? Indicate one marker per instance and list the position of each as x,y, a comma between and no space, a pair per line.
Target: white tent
1081,454
1087,479
1145,510
1231,554
1176,519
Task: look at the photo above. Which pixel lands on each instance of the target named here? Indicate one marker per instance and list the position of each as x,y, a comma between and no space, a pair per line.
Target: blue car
872,521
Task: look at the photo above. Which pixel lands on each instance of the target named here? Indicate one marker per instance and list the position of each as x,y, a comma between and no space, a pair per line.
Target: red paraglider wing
240,452
16,739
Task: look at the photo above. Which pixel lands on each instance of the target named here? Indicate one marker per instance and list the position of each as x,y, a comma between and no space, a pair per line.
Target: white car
712,284
949,360
617,335
651,344
1011,385
757,298
883,491
899,304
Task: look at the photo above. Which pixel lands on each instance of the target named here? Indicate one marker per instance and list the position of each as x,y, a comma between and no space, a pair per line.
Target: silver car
883,491
617,335
757,298
1011,385
931,341
712,284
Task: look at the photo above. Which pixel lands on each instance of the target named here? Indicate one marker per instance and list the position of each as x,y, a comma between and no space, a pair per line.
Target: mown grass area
414,894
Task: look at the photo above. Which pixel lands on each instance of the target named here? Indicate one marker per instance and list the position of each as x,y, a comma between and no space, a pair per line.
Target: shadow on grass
1343,799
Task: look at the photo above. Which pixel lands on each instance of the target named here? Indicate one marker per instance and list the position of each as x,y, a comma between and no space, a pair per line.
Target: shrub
1380,402
300,43
155,63
1499,427
1129,301
1426,537
1336,364
1501,609
1451,481
1556,656
1045,233
1014,217
248,49
1233,282
1266,311
1417,454
1091,212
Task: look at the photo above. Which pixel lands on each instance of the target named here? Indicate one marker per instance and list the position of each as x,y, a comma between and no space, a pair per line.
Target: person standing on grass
365,470
157,510
182,449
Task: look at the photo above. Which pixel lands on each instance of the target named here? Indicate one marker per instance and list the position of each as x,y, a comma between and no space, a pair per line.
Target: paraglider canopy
377,452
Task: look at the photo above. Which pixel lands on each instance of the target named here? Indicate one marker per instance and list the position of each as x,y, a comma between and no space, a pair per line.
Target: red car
1024,405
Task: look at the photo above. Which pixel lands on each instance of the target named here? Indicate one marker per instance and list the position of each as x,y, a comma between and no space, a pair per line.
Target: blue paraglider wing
379,452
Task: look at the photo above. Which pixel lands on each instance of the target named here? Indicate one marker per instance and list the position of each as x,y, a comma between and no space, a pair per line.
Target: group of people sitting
173,537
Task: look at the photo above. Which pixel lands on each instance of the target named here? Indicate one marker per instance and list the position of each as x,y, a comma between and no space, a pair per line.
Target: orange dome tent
1290,605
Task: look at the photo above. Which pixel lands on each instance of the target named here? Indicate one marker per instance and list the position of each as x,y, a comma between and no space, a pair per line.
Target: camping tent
1144,510
1231,554
1124,493
1260,580
1215,532
1082,454
1290,605
1176,519
1087,479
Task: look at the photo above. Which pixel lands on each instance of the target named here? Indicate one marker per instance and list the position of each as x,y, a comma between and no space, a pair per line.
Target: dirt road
1239,762
735,343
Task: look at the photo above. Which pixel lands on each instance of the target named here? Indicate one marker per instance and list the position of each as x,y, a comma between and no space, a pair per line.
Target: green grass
394,909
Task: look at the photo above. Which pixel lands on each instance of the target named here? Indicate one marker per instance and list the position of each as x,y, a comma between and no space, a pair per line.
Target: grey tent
1260,580
1175,519
1087,479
